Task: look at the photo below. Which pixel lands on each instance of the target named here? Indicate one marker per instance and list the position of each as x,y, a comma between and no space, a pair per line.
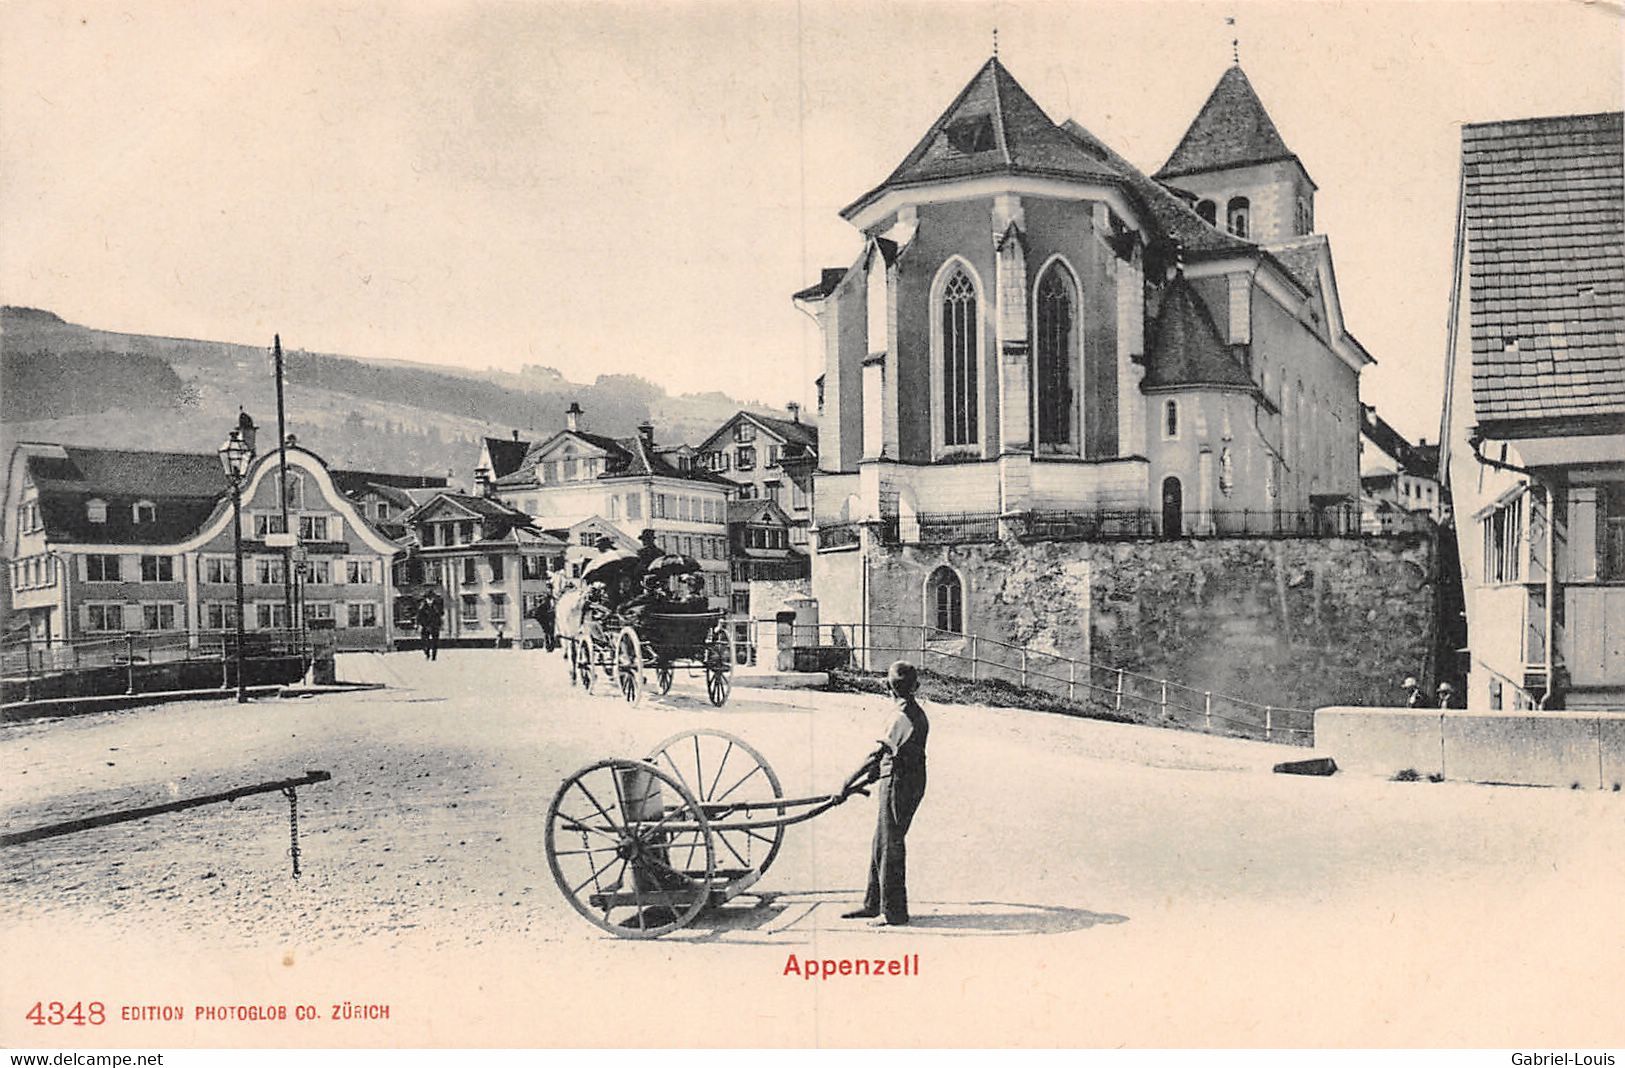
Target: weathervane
995,42
1235,42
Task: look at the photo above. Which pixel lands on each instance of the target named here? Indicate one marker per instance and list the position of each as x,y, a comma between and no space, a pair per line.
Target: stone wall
1293,623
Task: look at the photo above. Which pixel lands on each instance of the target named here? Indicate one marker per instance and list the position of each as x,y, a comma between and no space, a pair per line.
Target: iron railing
29,661
1103,524
1102,687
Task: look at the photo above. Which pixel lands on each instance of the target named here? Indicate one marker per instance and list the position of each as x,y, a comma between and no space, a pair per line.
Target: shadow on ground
791,917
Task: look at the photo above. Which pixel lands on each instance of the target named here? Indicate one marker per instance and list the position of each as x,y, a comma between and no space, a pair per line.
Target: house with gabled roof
633,483
1399,482
1533,432
109,542
1037,337
485,561
769,459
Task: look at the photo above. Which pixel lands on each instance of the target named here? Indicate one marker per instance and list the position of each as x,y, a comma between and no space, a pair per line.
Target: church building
1039,340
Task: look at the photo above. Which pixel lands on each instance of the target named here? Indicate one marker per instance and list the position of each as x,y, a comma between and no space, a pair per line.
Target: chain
293,826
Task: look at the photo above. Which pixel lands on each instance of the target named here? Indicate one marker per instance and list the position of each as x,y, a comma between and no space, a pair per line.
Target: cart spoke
722,836
573,824
738,784
726,753
579,785
596,873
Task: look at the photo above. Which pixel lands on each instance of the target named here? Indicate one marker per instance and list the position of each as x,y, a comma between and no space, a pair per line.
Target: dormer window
96,510
1236,216
971,134
144,512
1209,212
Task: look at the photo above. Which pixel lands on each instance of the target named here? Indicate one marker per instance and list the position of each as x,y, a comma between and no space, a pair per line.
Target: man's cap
1445,687
1410,682
903,674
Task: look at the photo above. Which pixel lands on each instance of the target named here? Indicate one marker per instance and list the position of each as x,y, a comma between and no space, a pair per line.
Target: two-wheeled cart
642,847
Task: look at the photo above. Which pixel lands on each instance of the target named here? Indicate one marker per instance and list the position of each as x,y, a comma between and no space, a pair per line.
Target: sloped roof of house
760,510
1544,215
184,488
992,127
1421,461
1231,130
506,454
1186,347
624,458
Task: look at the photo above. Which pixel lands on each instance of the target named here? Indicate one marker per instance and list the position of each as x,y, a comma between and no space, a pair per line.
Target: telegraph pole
282,487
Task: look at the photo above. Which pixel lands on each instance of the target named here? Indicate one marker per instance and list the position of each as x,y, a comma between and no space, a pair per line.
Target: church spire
1231,130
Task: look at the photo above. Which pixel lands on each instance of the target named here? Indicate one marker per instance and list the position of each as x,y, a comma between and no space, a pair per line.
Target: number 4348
55,1014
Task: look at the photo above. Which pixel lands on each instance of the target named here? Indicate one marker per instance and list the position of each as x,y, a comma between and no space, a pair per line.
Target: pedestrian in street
543,614
1413,693
899,766
430,615
1447,695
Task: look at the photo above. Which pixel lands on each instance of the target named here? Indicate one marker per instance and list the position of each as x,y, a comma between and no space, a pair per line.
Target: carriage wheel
629,665
720,769
663,677
581,654
717,685
630,848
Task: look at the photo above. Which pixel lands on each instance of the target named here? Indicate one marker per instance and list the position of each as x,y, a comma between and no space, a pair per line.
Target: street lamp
236,455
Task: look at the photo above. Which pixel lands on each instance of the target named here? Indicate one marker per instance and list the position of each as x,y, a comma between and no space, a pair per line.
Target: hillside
63,382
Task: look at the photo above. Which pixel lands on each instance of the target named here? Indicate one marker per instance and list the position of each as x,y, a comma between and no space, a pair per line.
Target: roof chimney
795,411
516,435
646,431
482,482
572,416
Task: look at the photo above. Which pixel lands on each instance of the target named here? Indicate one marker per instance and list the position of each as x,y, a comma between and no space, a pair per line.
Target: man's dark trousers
431,643
899,798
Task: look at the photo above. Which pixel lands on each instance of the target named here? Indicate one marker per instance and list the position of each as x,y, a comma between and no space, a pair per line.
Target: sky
639,187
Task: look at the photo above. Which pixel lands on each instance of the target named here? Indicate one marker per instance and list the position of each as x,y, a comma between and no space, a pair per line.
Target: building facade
111,541
485,562
1399,482
575,475
1037,339
770,459
1534,423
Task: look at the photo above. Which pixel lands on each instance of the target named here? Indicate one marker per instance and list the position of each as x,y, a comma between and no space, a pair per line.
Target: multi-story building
117,541
575,475
386,498
486,563
1033,325
1399,482
771,459
1534,423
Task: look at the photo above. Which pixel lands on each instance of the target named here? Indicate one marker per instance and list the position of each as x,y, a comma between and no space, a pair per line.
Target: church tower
1243,177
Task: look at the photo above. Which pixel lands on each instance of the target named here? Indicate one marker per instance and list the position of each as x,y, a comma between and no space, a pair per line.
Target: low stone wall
1524,748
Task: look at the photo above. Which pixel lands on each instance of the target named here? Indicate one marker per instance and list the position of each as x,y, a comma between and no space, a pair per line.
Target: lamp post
236,455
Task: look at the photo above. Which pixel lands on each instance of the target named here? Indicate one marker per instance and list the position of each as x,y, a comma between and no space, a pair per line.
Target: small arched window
1209,211
295,493
1236,216
144,512
945,601
96,510
1170,420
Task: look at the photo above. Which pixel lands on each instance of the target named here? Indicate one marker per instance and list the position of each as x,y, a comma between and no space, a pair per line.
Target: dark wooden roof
1544,211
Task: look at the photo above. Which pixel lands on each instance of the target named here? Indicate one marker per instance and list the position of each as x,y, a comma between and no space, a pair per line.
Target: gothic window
1170,420
1236,216
959,360
1057,331
1209,211
945,601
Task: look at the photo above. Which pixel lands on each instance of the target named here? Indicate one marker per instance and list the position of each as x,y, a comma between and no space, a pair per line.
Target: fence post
1071,680
1023,668
129,662
1164,702
1119,691
28,667
975,663
1207,709
1268,724
923,633
225,664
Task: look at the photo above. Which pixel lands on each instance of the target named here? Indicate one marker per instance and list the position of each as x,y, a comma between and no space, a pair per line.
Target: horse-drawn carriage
633,644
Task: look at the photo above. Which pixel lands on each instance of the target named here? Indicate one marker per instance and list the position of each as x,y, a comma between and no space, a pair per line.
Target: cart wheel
663,677
717,684
629,665
721,770
630,848
582,653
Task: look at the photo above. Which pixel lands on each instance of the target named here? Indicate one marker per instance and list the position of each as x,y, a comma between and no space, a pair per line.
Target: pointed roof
1231,130
506,454
1186,348
992,127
